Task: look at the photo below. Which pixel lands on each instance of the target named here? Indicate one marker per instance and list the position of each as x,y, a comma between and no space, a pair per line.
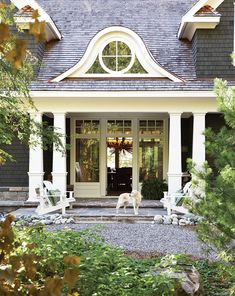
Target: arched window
117,52
116,57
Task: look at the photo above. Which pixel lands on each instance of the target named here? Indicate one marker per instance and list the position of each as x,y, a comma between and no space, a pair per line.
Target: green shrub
103,270
153,188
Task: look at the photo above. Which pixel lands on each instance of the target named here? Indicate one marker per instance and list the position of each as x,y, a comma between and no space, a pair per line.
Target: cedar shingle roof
155,21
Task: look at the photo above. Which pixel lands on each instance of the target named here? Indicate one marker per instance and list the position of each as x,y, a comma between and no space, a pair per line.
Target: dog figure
133,198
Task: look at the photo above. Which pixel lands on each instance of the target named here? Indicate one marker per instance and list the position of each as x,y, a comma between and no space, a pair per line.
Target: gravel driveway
147,238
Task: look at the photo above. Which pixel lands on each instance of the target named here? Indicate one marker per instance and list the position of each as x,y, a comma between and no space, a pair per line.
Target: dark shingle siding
36,48
15,173
212,48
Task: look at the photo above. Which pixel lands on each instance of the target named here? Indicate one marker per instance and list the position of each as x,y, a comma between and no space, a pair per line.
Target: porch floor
103,210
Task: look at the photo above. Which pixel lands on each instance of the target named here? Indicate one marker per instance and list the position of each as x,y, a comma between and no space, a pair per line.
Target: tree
16,72
216,205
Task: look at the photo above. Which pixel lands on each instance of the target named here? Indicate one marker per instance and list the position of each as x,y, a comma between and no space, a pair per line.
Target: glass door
119,157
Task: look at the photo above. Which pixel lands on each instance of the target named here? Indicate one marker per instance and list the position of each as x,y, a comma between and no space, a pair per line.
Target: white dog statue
133,198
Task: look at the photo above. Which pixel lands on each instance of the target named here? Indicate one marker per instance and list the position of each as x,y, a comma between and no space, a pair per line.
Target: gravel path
147,238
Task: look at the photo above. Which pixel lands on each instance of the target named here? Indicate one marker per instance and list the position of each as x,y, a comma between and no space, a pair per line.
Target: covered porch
160,139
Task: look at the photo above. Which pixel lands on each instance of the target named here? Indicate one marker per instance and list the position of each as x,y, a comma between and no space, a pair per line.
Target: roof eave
191,19
52,33
189,26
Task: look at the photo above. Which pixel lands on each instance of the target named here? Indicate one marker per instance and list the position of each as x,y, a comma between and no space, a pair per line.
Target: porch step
101,214
112,202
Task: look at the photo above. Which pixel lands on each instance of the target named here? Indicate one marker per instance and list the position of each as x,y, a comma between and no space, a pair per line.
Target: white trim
51,30
143,55
100,55
116,94
191,22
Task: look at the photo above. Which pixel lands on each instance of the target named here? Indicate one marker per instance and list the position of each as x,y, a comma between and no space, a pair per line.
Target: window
150,149
117,52
116,58
119,127
87,150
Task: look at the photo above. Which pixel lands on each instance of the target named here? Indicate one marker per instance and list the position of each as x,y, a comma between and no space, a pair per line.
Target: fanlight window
116,58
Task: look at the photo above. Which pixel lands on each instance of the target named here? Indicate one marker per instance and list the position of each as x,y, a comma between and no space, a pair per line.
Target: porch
157,144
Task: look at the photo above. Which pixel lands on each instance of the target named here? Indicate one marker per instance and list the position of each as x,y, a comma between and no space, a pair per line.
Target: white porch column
135,159
175,166
35,163
59,173
198,139
103,158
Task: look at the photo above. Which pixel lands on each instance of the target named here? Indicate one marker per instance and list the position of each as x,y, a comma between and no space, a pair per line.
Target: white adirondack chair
52,200
169,201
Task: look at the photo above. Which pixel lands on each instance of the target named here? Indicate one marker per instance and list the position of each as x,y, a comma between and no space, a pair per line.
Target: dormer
23,18
117,52
202,15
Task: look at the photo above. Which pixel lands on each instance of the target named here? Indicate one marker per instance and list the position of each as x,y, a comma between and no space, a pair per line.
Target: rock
70,220
57,222
48,222
173,216
175,221
182,222
189,280
63,221
158,219
186,276
167,220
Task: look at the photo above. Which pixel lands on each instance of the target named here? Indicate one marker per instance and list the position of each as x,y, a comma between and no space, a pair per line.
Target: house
130,84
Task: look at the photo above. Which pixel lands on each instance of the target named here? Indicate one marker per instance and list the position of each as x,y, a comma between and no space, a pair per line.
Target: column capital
59,113
175,113
199,113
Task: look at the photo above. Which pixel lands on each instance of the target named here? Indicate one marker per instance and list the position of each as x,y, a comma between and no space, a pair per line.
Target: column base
174,182
35,181
60,181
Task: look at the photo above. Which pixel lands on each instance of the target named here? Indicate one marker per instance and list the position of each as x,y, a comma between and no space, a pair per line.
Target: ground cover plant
66,262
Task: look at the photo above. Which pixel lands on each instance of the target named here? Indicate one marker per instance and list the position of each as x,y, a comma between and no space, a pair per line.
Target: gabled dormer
23,18
210,27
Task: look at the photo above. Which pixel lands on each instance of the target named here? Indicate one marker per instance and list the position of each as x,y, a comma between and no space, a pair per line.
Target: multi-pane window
87,127
151,127
119,127
87,150
116,57
150,149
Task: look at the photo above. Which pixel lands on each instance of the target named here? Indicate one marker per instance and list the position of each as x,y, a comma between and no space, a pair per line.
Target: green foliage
16,72
103,271
35,262
20,267
216,279
153,188
216,203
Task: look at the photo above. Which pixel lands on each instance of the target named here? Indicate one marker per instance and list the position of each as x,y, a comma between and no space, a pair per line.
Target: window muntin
116,57
119,127
151,127
87,127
